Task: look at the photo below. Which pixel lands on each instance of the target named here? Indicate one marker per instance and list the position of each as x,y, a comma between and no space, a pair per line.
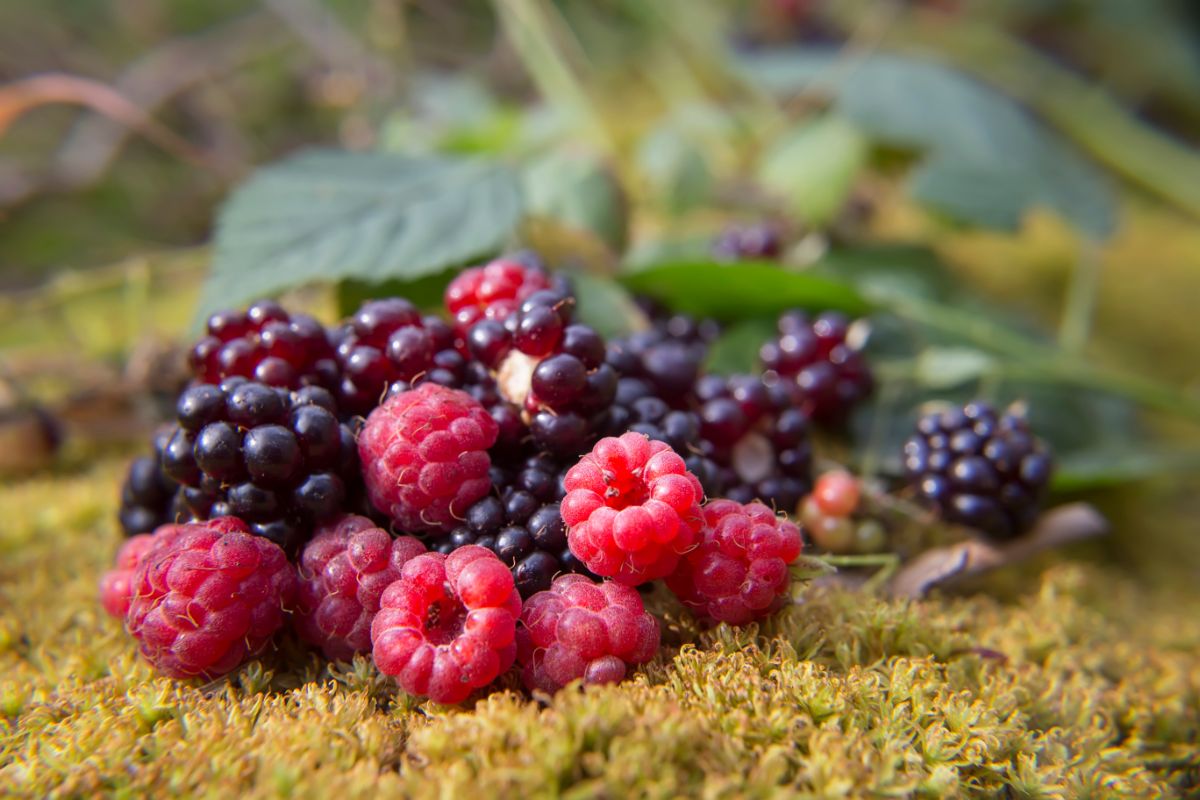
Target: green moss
1083,685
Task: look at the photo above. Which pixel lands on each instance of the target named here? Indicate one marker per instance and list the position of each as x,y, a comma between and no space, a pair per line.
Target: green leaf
328,215
736,350
742,290
606,306
813,167
676,168
989,160
579,191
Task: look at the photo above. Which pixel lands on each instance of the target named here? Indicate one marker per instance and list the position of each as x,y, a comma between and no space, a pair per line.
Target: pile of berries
459,496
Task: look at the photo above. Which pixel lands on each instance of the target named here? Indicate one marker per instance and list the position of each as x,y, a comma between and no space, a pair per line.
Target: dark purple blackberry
148,497
822,362
980,469
549,370
755,442
280,461
265,343
520,522
385,341
760,241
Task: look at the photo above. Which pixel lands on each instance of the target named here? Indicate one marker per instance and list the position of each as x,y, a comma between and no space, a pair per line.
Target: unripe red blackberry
279,461
821,362
495,290
267,344
385,341
979,468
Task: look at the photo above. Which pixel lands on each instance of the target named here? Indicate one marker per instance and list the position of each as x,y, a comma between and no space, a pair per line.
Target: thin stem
1079,305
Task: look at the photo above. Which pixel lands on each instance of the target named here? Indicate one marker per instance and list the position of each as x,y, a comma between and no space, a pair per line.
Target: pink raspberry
632,509
492,291
424,456
447,626
343,573
739,572
115,587
577,629
208,598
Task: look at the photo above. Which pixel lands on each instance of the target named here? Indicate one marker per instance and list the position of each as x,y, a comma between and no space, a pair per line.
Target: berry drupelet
820,362
668,357
278,460
979,468
148,497
520,521
267,344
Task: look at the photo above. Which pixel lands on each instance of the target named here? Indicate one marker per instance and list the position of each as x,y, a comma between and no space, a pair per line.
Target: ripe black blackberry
148,497
760,241
520,522
385,341
550,369
757,439
278,460
821,361
267,344
669,356
978,468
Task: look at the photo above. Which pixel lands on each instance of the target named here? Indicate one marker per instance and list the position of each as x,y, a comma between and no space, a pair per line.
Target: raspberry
632,509
265,343
978,468
520,521
383,342
493,291
581,630
739,572
447,626
115,588
209,597
343,573
278,460
757,441
821,362
748,243
424,456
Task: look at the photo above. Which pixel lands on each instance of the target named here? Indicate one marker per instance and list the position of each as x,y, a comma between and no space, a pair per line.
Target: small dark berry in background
760,241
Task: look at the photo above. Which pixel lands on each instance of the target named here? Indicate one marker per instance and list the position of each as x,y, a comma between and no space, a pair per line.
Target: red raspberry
447,626
267,344
578,629
209,598
424,456
343,573
739,573
115,588
632,509
493,291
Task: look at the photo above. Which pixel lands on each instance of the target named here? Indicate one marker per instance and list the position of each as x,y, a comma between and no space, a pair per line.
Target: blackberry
265,343
978,468
820,362
148,497
385,341
757,440
278,460
669,356
760,241
550,369
521,523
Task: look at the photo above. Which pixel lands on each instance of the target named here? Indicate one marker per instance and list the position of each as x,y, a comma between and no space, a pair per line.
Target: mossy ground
1081,684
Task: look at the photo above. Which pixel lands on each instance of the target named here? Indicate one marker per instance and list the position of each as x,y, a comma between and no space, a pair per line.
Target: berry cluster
459,496
979,468
279,461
